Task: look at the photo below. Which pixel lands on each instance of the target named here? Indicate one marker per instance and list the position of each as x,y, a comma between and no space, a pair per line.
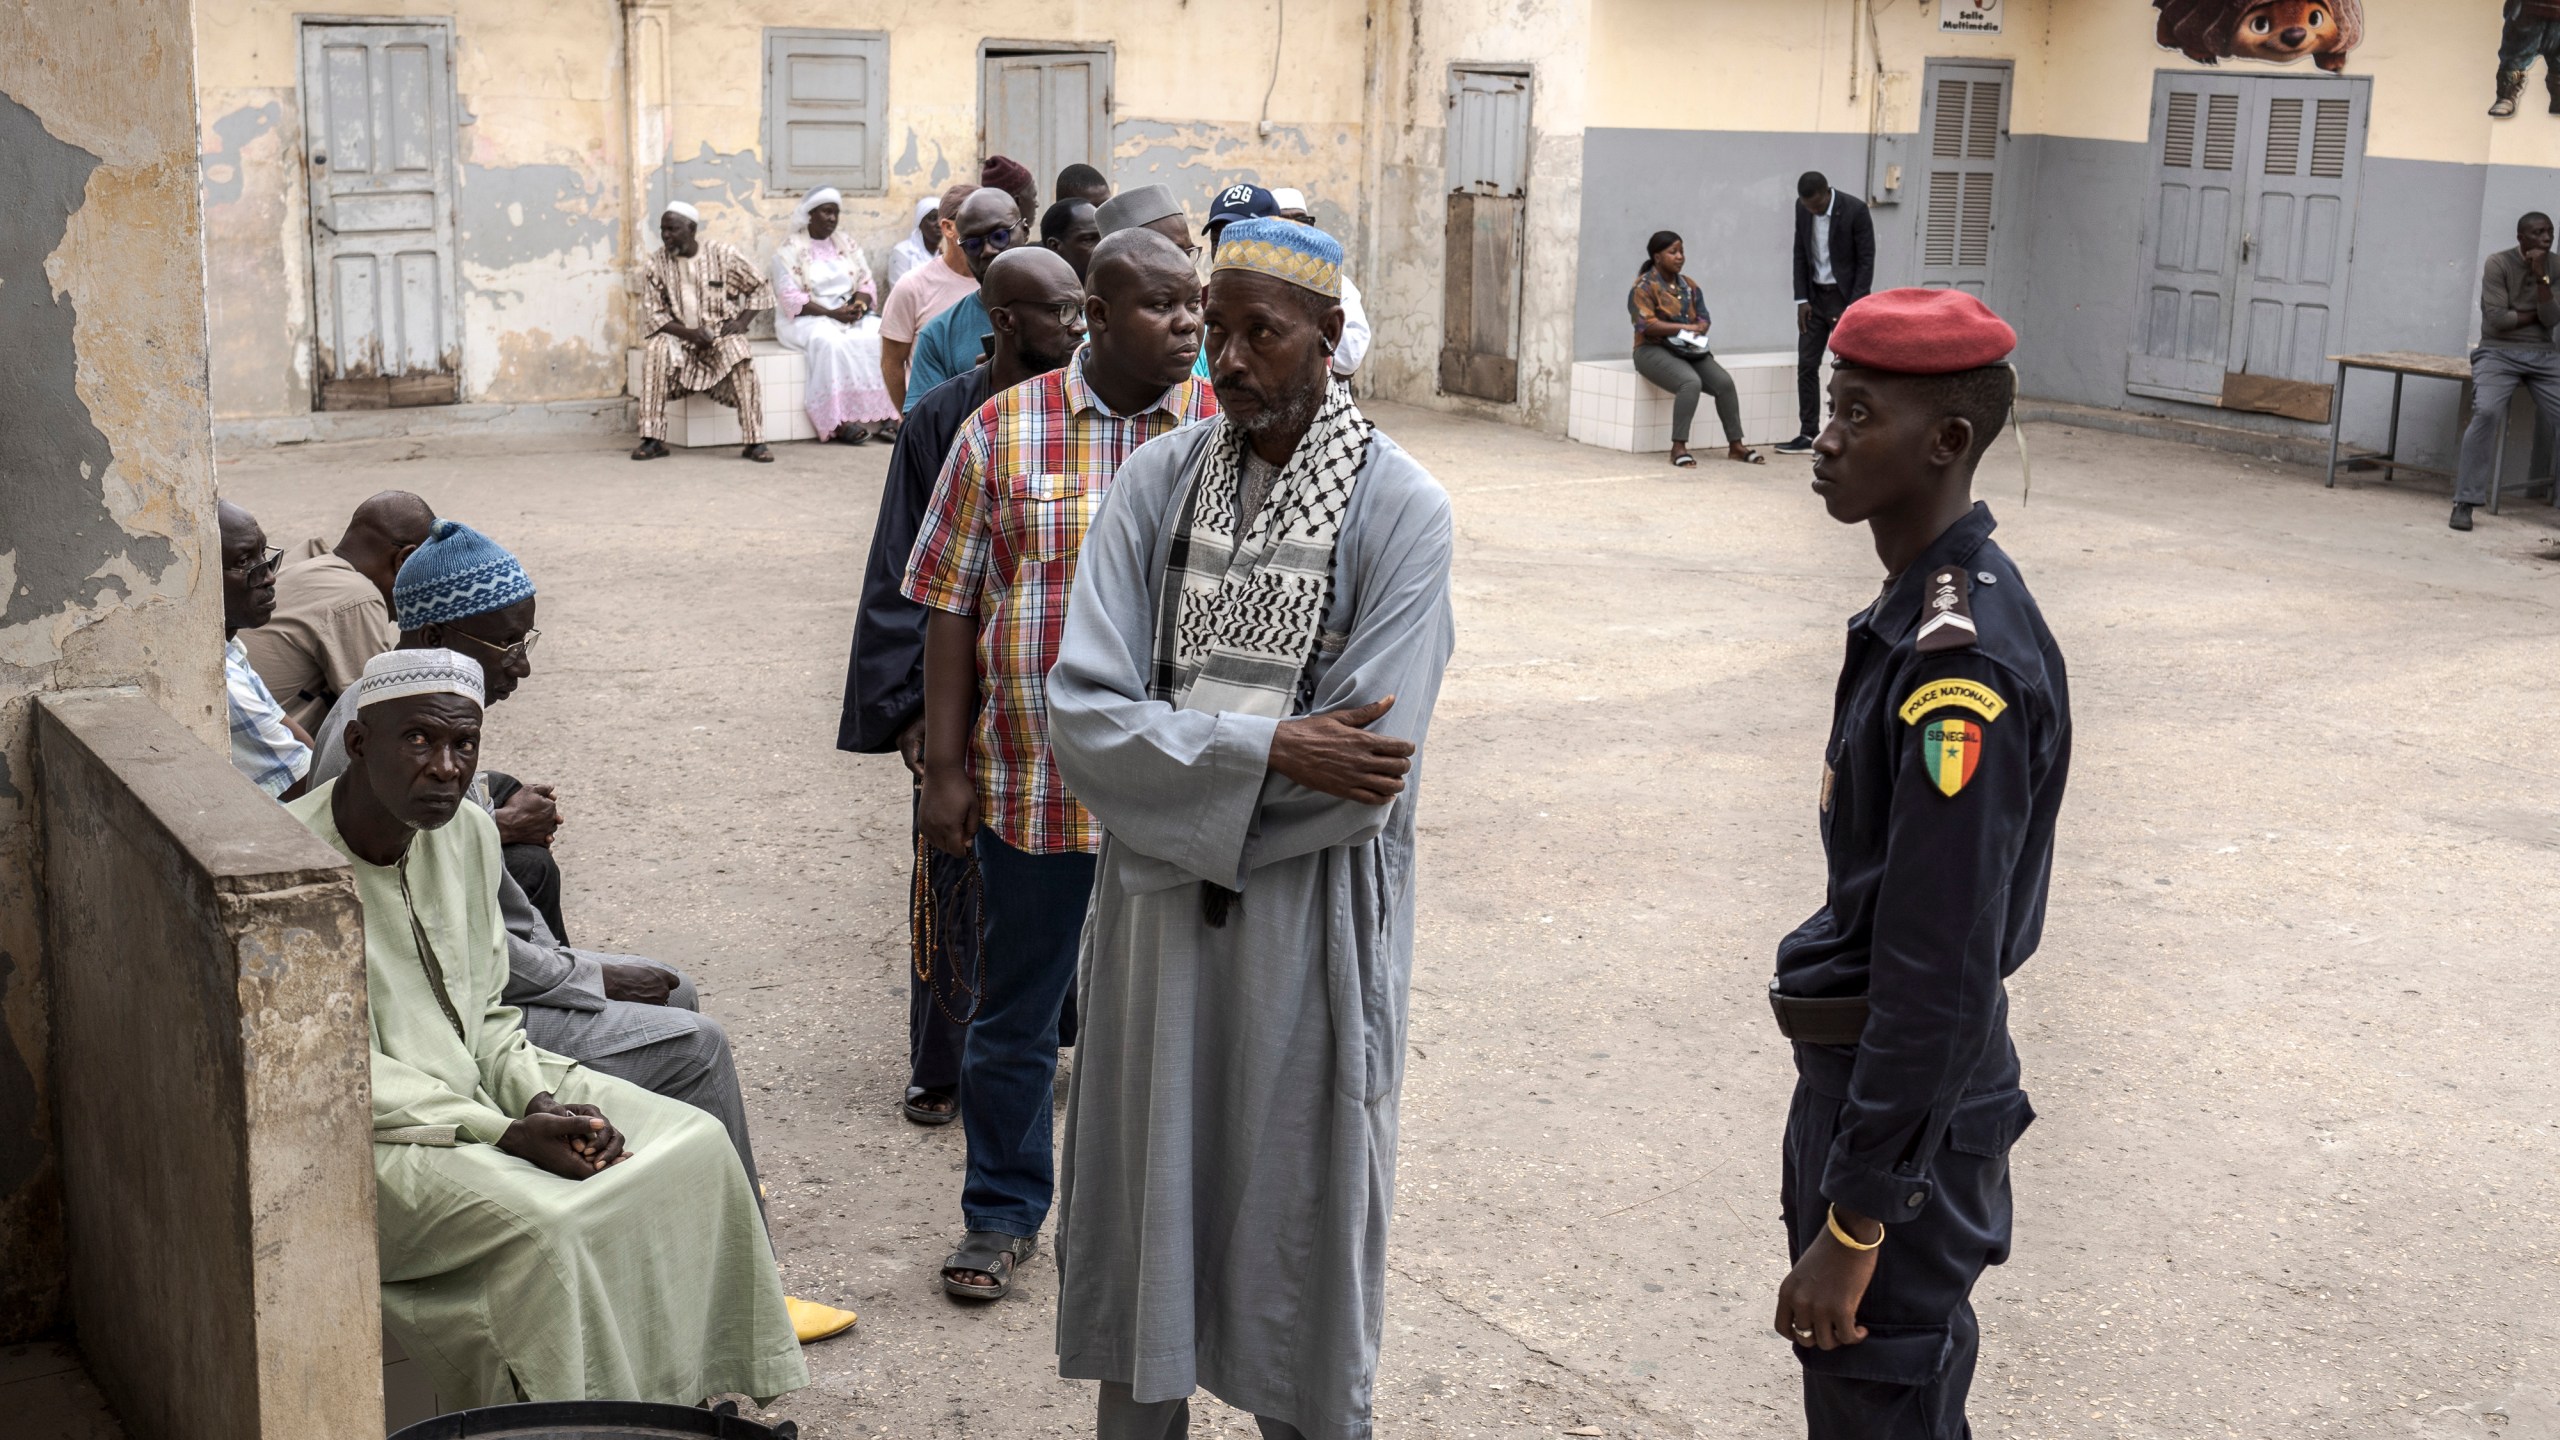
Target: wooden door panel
378,127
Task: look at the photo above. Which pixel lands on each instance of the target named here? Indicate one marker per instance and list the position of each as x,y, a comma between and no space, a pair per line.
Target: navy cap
1240,202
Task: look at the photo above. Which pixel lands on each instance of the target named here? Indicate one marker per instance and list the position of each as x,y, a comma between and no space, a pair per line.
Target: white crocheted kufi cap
397,674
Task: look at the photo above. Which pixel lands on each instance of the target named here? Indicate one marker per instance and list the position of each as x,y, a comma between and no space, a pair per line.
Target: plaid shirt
999,542
1657,296
261,747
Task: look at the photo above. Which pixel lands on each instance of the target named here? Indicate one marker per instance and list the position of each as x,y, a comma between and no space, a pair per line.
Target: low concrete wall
211,1087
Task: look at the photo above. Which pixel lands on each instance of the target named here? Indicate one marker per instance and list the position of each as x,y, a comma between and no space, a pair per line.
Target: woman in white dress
823,298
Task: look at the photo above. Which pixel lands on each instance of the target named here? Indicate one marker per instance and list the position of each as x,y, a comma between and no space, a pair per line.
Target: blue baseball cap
1239,202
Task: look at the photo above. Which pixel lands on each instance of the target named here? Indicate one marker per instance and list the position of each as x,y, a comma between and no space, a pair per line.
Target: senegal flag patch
1951,749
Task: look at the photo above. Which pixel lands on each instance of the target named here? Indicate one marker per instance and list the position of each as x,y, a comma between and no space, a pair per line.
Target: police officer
1950,741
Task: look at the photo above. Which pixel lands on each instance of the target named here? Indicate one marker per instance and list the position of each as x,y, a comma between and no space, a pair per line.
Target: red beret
1922,332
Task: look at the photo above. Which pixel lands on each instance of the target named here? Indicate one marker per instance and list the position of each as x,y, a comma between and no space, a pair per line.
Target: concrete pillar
108,553
211,1062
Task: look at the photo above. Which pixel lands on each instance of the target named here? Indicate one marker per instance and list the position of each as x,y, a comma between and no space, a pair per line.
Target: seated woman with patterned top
1671,321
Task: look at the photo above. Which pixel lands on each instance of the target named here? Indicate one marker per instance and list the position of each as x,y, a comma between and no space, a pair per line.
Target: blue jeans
2525,39
1009,1064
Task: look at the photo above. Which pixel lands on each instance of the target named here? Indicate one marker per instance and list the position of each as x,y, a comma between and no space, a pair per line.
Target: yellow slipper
812,1321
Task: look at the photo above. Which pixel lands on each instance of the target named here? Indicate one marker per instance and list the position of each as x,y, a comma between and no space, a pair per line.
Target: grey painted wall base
2065,261
611,416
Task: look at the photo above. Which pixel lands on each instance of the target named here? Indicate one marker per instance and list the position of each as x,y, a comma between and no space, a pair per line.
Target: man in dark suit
1835,268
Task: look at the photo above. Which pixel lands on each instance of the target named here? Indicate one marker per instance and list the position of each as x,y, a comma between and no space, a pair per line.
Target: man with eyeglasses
266,745
1035,303
629,1017
988,226
994,561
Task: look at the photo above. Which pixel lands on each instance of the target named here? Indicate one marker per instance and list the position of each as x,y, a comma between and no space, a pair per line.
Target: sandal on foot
989,1253
1745,454
761,453
651,448
1685,460
914,1108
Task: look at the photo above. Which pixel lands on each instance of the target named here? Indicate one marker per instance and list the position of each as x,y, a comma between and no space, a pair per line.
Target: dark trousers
535,868
1908,1379
1009,1064
944,970
1827,303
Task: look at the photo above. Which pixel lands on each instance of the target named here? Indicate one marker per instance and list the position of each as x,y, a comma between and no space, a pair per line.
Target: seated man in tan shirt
333,607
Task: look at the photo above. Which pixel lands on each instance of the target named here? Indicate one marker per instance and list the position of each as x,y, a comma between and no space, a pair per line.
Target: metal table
2400,365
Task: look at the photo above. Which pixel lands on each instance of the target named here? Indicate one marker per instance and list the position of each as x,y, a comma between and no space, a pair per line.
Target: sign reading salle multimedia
1982,17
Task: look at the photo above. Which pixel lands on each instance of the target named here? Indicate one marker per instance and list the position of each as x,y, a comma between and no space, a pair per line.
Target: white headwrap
397,674
678,207
823,195
927,206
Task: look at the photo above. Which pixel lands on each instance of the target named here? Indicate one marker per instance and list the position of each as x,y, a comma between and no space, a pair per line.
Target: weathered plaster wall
1416,42
1188,82
544,152
539,154
108,561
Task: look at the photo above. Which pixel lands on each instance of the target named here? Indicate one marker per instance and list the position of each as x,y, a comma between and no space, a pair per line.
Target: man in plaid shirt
994,563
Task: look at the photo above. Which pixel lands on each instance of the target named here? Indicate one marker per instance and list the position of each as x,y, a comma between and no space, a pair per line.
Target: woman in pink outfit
823,299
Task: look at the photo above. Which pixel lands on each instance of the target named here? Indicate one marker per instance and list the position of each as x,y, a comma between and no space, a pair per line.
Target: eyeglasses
517,653
1070,313
262,567
999,238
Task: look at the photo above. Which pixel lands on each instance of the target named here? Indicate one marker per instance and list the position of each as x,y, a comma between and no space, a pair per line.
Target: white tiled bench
1618,409
694,421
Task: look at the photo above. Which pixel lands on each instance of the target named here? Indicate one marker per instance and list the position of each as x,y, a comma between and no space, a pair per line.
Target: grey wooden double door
2251,227
377,119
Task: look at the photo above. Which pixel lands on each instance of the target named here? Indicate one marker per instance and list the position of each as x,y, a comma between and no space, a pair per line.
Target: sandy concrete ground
2287,1031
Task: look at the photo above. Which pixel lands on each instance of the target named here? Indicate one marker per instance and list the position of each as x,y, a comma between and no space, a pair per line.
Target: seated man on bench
547,1232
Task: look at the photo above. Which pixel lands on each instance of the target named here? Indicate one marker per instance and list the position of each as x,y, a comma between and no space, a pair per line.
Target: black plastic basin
594,1420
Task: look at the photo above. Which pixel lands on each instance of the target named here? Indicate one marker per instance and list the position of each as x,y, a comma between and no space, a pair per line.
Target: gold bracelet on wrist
1831,1221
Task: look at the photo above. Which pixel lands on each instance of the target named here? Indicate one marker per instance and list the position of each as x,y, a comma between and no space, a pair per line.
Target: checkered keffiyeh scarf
1242,614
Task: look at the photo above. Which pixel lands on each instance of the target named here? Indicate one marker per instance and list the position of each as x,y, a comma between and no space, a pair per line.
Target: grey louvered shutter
1966,125
825,96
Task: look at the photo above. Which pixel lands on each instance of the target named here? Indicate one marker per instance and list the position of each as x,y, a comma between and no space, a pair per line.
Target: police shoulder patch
1952,749
1946,611
1952,693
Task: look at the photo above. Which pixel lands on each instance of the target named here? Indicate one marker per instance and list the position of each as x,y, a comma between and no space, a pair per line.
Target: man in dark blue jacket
1835,268
1941,781
1036,305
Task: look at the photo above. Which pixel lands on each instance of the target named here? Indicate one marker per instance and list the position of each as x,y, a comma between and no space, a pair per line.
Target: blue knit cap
456,574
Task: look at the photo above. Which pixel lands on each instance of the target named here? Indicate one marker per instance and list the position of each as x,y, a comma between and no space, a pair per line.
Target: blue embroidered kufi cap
456,574
1284,250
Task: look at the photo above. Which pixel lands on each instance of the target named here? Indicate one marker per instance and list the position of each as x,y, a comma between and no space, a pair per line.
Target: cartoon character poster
2532,32
2274,32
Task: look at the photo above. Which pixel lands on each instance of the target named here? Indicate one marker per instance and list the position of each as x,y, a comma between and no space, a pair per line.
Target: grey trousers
1122,1418
695,1068
1684,376
2495,374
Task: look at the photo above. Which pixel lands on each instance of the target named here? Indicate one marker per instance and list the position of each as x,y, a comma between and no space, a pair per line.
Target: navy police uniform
1950,742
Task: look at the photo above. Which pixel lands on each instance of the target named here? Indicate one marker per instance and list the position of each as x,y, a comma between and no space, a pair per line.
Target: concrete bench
694,421
1618,409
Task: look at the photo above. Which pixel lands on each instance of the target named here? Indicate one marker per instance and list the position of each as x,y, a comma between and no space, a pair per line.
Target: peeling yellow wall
538,155
1188,78
1417,42
544,116
109,562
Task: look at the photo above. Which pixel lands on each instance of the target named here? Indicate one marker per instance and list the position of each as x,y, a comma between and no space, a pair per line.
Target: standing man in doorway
1941,781
1835,265
994,561
2518,317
